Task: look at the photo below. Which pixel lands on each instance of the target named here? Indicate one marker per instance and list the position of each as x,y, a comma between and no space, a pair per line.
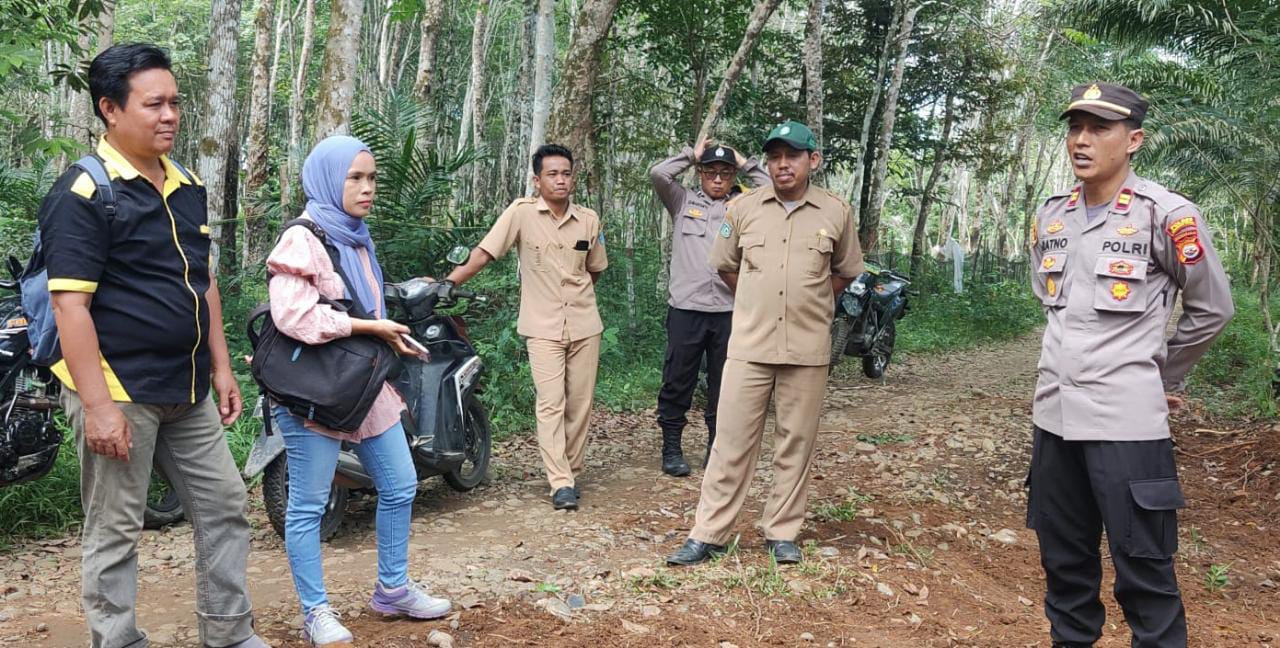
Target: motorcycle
30,439
446,425
866,318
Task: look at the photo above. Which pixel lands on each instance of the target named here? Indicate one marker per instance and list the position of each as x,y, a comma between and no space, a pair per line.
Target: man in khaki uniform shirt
562,253
1110,257
786,249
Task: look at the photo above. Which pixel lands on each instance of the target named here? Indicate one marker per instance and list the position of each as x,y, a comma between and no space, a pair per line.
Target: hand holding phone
423,353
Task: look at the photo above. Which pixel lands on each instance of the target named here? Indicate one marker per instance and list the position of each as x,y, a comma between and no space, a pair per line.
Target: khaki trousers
188,443
564,377
797,393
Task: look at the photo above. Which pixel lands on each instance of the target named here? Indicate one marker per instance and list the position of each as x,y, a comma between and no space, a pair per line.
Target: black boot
673,462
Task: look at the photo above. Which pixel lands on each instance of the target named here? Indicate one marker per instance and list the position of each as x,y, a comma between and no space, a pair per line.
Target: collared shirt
148,270
784,305
1108,287
696,217
557,255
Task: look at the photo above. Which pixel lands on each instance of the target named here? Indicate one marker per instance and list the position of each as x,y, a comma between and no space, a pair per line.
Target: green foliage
942,320
1234,377
1217,578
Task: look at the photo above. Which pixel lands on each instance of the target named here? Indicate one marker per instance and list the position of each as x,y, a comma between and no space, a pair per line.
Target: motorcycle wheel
875,363
163,506
840,329
479,446
275,498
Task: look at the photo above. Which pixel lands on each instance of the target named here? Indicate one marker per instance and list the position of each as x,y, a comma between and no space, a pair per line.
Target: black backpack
333,384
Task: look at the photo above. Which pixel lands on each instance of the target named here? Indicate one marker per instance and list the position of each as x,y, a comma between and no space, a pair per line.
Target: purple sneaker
410,600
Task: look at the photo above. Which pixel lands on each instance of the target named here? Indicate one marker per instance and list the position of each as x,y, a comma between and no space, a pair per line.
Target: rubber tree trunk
297,104
85,126
430,33
572,119
219,133
869,223
873,104
254,230
544,52
813,68
927,196
755,26
338,78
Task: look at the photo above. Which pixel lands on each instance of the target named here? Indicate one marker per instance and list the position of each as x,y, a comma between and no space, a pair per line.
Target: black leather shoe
693,552
675,465
565,498
784,552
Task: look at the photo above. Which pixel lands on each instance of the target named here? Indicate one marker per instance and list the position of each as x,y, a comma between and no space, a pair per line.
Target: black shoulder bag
333,384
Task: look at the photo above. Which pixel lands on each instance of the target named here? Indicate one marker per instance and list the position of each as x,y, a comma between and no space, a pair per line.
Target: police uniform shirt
784,262
1108,287
694,284
557,255
147,267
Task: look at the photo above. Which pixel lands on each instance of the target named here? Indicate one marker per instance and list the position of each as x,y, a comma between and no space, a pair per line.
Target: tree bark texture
260,93
755,26
430,28
338,78
544,53
572,119
813,67
219,132
869,225
297,104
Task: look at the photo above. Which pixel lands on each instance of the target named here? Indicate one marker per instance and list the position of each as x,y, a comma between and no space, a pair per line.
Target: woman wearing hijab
339,179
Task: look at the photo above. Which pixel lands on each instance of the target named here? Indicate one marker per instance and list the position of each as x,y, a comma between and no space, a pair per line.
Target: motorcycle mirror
459,255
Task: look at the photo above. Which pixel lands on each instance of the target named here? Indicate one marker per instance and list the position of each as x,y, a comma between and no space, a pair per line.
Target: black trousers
1130,489
691,335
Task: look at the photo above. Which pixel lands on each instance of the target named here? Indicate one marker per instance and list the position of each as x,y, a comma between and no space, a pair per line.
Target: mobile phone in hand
423,353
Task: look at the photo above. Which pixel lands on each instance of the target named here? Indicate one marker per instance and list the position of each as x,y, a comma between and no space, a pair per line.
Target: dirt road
915,539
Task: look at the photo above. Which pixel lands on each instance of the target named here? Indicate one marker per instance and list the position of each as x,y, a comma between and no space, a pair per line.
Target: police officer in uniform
562,253
786,250
701,305
1109,260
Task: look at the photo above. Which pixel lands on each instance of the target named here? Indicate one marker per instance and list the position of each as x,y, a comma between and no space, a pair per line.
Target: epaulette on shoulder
1164,198
84,186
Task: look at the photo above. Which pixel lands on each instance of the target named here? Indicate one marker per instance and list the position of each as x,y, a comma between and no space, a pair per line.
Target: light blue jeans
312,460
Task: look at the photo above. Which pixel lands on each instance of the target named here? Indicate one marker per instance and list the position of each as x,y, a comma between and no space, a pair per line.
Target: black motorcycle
866,318
447,427
29,437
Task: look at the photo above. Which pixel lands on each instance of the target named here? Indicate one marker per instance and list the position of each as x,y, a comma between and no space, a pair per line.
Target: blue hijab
324,174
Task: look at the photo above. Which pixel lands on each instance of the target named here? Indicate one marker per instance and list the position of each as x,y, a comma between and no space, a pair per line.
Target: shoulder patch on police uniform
84,186
726,230
1184,231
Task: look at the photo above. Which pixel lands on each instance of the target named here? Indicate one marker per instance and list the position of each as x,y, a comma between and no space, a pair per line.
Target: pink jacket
301,273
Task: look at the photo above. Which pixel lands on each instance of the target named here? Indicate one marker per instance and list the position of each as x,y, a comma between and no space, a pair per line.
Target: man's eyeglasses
712,173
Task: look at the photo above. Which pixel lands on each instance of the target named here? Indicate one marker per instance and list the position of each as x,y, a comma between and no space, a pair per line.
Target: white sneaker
322,627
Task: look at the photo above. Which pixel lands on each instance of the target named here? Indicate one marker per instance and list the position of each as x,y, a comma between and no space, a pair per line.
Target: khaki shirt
695,285
557,296
784,305
1108,288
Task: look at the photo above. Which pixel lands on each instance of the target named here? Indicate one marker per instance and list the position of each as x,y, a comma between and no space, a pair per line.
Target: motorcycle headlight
858,288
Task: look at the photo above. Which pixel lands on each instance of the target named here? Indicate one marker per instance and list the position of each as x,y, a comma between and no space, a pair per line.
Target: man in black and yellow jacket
140,326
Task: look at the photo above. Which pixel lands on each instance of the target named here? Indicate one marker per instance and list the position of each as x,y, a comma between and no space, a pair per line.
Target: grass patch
942,320
843,510
1235,376
661,580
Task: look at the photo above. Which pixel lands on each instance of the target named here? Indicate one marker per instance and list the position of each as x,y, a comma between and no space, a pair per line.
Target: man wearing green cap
1111,256
785,249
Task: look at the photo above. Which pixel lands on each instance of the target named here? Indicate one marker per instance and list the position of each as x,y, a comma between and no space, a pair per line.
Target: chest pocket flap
1119,268
752,251
694,222
1050,274
1120,285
